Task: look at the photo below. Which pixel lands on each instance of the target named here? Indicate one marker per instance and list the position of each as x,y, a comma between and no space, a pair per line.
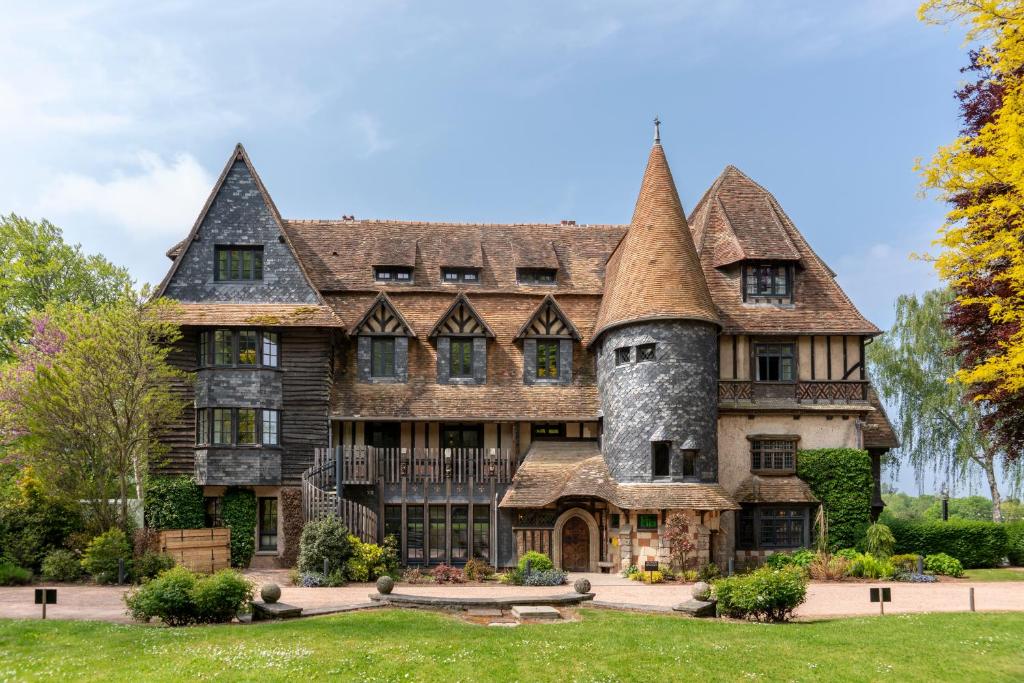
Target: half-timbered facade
481,390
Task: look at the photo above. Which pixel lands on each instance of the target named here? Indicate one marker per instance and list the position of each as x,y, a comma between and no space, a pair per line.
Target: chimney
567,222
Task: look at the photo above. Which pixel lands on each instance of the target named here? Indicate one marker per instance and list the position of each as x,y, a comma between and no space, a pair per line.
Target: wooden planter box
201,550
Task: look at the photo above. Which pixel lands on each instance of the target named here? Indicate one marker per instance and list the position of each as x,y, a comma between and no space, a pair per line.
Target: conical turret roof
654,272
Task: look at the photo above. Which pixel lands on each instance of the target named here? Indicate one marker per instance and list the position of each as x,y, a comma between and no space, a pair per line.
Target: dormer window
401,274
536,276
460,275
768,283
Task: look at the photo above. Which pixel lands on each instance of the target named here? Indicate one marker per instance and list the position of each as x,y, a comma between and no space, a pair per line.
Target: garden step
274,610
535,612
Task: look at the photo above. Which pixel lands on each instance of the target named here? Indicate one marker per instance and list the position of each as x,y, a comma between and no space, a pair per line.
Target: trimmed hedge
974,543
1015,546
841,479
174,503
239,512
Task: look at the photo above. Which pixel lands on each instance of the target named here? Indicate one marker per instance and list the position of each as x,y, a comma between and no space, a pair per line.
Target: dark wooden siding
180,437
308,375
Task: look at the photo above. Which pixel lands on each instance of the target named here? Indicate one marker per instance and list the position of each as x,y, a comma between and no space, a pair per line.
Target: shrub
941,563
879,541
239,511
150,565
629,571
867,566
975,544
803,557
649,577
324,539
444,573
103,552
174,503
913,577
145,541
13,575
688,575
311,580
677,534
906,562
539,562
848,554
547,577
709,572
765,594
477,570
415,575
219,597
825,567
778,560
292,521
33,523
841,479
369,560
1015,543
62,565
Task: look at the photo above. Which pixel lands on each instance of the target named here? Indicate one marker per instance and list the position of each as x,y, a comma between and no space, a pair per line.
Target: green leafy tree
37,269
914,365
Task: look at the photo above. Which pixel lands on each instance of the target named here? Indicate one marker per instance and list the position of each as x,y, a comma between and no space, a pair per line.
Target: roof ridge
400,221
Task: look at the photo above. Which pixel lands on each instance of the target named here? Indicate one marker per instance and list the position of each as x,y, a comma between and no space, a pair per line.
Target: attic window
238,263
622,355
768,281
536,276
463,275
392,274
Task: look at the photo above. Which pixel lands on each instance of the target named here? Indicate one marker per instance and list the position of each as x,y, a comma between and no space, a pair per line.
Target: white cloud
157,198
368,128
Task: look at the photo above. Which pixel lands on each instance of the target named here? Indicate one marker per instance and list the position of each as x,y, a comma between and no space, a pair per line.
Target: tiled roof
557,469
737,219
772,489
503,397
261,315
878,430
655,272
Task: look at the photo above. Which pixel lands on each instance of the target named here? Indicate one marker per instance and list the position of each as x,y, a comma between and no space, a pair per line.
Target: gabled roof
548,321
383,317
654,272
461,319
774,489
739,220
181,249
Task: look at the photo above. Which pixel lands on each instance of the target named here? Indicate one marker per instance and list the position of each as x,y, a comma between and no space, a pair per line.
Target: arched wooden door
575,545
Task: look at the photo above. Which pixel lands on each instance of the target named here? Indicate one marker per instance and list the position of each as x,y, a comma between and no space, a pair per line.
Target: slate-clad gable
239,214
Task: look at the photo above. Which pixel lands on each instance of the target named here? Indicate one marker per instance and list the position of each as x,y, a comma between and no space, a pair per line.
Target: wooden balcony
825,392
367,465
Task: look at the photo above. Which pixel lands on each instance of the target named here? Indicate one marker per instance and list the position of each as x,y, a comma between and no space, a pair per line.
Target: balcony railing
369,465
803,391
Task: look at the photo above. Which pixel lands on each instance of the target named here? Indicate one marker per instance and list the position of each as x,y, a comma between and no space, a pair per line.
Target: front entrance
575,545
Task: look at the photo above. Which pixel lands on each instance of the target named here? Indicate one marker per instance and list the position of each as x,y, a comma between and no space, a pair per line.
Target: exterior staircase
320,498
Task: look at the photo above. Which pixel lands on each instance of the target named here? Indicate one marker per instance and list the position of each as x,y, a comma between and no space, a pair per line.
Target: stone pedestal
274,610
696,608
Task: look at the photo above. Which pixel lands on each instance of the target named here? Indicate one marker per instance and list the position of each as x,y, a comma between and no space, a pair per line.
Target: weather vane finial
657,129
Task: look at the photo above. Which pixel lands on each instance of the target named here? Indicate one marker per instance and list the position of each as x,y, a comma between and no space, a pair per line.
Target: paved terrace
823,599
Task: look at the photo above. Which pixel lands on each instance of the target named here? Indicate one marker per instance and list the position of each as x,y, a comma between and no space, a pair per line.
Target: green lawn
997,574
394,645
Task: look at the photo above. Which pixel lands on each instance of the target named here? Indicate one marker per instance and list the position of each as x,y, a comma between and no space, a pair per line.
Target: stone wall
673,398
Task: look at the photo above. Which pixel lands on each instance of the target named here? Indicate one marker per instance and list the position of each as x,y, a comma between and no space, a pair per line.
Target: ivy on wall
841,479
292,522
239,512
174,503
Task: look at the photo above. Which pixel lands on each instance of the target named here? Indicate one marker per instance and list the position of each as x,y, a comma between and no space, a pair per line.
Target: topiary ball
701,591
270,592
385,585
582,586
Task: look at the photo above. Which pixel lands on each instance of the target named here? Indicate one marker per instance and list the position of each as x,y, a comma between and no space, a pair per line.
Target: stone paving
823,599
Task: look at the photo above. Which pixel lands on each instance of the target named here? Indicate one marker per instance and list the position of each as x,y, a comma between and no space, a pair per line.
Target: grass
998,574
396,645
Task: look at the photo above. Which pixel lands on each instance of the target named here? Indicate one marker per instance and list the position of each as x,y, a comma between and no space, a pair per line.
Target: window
622,355
271,342
645,353
482,532
204,348
461,358
438,524
773,455
772,527
222,426
464,275
661,457
382,357
202,426
212,511
271,435
647,521
414,533
455,436
238,263
547,359
246,431
689,463
614,523
393,523
460,533
552,430
767,281
223,351
536,276
268,523
775,362
247,347
392,274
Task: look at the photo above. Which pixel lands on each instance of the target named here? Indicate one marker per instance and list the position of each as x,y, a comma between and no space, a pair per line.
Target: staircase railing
320,499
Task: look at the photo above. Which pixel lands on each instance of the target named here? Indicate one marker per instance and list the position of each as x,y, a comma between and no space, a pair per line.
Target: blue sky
117,117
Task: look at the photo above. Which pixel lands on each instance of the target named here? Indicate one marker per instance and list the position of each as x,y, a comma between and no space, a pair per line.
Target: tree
37,268
981,176
87,419
912,365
